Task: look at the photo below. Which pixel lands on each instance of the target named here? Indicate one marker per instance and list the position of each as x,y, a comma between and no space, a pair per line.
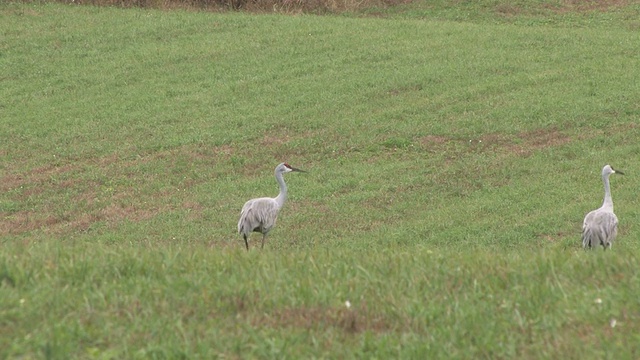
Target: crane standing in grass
600,226
260,214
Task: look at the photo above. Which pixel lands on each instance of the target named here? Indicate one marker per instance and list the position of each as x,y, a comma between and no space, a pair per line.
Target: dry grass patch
107,189
562,7
523,144
258,6
33,178
350,320
592,5
339,6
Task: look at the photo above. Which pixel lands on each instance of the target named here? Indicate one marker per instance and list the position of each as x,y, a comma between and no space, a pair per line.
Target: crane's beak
295,169
617,171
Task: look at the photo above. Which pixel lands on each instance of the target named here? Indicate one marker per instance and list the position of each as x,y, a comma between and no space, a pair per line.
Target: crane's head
608,170
285,168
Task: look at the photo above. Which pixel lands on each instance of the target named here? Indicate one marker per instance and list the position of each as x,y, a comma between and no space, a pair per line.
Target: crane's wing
258,215
600,227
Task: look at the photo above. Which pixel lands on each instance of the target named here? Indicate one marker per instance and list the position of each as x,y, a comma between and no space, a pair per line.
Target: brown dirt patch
433,139
592,5
565,7
526,143
356,319
332,6
553,237
523,144
24,221
130,196
117,212
271,140
194,209
351,320
36,176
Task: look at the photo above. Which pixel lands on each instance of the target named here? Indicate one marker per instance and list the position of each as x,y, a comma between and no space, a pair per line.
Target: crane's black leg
263,236
246,243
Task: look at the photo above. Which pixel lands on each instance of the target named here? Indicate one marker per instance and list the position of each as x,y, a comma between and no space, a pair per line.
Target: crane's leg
263,237
246,243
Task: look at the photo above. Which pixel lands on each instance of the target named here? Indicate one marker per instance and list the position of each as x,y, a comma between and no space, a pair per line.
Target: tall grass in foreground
177,302
450,165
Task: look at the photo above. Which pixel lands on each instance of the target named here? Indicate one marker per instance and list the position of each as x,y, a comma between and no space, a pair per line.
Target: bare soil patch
523,144
592,5
37,176
334,7
261,6
349,320
120,191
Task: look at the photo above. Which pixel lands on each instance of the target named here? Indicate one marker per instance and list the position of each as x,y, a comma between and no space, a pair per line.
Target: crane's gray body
600,226
260,214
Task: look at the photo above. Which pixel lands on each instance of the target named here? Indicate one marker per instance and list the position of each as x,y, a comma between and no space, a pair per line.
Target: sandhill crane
260,214
600,226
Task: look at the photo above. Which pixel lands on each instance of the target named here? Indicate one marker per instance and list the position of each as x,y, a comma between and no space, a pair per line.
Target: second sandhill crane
260,214
600,226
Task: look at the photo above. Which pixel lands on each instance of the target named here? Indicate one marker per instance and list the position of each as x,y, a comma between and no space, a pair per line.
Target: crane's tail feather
591,239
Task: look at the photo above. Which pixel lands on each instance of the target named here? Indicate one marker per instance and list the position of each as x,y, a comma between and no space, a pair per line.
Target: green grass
451,161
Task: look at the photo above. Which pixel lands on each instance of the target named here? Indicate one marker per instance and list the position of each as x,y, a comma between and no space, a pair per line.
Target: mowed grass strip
450,165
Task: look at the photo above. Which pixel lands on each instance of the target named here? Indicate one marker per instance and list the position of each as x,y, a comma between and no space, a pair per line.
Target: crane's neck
608,201
282,196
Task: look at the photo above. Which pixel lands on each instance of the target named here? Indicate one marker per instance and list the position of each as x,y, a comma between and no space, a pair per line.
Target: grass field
452,153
